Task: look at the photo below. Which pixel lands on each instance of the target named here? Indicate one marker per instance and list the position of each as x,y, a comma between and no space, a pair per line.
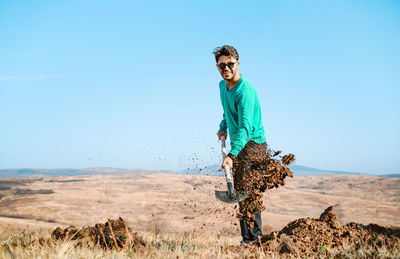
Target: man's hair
225,50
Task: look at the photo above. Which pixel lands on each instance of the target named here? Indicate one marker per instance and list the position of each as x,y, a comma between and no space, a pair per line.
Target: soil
326,236
114,234
256,170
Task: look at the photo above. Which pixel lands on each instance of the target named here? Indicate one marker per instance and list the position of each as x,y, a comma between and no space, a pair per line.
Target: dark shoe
245,242
248,242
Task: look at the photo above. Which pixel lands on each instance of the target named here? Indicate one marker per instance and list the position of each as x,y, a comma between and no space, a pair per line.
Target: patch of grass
23,244
19,191
64,181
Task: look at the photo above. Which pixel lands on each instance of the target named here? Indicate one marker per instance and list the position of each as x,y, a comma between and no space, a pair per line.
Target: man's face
230,65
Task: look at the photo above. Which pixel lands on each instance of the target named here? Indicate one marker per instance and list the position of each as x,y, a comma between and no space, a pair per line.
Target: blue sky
133,84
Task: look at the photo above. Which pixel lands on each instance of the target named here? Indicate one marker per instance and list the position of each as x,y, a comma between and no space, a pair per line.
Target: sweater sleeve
222,125
245,104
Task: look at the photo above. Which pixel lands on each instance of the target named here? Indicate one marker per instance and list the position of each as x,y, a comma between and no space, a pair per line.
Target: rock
329,216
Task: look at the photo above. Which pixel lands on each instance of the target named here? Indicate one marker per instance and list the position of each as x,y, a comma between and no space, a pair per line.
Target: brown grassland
178,215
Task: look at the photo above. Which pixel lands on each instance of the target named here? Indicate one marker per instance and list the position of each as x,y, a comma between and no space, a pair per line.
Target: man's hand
220,134
228,161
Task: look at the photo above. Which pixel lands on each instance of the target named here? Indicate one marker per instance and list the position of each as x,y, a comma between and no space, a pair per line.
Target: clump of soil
114,234
256,170
327,237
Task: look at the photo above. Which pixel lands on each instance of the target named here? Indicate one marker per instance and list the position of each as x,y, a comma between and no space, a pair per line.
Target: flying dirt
268,170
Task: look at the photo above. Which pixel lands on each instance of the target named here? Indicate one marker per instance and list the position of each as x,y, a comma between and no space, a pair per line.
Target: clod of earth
266,171
325,236
114,234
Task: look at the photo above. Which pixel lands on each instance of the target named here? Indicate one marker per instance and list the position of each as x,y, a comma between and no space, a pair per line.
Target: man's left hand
228,161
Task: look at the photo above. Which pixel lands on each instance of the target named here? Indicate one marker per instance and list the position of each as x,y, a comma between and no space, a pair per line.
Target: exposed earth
114,234
308,237
305,237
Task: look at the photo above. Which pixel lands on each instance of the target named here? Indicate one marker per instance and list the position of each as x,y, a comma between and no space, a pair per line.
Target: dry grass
26,245
184,245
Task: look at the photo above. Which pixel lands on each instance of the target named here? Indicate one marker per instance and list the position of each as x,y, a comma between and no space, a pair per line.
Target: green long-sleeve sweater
242,114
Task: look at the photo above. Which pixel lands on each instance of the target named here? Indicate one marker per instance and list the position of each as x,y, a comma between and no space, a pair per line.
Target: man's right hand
220,134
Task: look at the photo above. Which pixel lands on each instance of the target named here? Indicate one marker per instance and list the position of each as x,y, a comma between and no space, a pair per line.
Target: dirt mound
114,234
327,237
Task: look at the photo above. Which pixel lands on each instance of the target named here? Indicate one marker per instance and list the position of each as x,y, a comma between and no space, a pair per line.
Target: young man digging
242,119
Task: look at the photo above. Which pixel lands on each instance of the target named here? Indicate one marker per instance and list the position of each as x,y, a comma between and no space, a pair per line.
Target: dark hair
225,50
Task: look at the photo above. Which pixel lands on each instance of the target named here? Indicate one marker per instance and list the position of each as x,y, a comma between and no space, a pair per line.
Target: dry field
180,212
179,203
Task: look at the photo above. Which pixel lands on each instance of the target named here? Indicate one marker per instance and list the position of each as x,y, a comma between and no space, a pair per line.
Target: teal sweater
242,114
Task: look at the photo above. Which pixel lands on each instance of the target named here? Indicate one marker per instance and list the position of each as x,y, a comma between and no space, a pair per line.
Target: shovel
230,196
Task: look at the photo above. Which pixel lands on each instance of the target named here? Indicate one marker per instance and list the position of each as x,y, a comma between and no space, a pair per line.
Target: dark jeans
245,176
248,233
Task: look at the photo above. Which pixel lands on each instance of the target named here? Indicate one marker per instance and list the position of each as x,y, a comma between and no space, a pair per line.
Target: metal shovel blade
235,197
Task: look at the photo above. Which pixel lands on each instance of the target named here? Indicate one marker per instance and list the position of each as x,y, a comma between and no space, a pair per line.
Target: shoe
246,242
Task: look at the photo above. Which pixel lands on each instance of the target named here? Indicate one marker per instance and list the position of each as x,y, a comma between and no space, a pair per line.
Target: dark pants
251,234
246,179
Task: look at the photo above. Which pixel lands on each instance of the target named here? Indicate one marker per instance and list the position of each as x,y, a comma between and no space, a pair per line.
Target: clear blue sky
133,84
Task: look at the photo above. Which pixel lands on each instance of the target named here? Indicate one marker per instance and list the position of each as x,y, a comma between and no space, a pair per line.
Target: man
242,119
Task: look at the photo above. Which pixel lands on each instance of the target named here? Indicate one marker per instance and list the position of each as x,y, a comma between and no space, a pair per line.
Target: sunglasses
222,66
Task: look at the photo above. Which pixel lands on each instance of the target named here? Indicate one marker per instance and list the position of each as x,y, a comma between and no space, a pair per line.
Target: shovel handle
223,147
228,172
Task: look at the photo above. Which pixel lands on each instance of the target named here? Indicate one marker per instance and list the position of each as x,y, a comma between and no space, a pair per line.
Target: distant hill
26,172
298,170
212,170
391,175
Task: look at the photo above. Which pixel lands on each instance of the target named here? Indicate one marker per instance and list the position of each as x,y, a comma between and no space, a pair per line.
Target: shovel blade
236,197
